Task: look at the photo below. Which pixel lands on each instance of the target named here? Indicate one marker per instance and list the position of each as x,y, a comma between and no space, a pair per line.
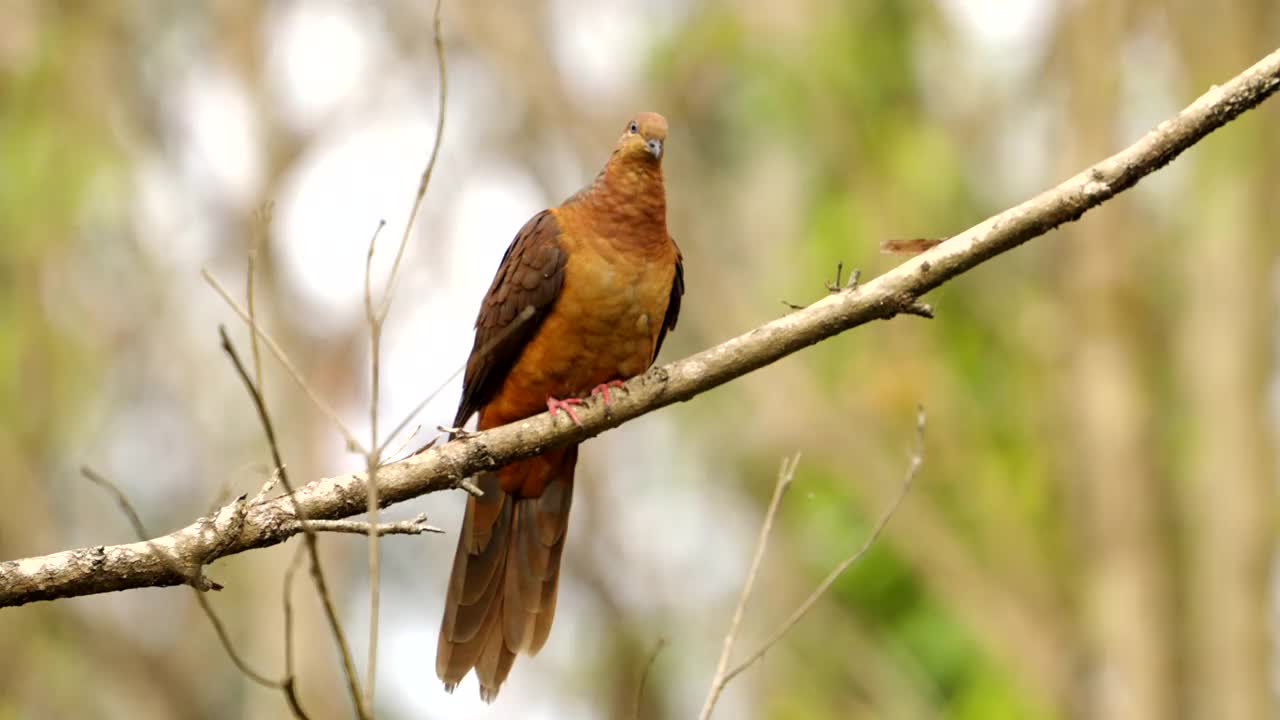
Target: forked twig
284,360
317,572
785,475
377,320
722,679
139,529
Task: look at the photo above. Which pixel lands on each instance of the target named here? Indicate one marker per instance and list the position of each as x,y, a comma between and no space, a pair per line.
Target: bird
582,301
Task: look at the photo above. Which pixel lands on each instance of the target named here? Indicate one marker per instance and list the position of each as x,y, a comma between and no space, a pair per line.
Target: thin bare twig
223,494
373,318
836,286
431,162
290,689
372,460
290,679
405,443
121,499
913,469
523,317
416,526
852,285
281,356
785,475
644,675
225,638
261,225
377,319
267,487
470,487
317,572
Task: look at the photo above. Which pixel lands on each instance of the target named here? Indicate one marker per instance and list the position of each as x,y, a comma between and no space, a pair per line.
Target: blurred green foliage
840,93
51,148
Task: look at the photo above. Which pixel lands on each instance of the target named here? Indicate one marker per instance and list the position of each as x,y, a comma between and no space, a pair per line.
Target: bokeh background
1092,535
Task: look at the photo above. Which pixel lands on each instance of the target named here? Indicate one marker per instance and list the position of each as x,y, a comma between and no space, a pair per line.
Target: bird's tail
502,593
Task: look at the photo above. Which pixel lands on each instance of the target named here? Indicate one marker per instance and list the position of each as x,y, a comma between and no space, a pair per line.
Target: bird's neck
629,194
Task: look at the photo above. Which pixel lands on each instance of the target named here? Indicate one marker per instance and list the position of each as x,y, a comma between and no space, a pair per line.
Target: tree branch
241,526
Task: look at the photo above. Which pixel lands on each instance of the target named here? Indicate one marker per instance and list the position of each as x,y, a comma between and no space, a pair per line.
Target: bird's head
643,138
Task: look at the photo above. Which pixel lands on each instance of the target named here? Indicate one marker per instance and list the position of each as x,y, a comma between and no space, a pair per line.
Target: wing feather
525,287
673,304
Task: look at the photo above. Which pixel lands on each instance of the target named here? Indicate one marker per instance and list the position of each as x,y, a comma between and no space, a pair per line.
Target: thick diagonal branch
242,526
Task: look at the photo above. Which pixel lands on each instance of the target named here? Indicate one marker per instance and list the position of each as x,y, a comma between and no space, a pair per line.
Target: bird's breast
605,323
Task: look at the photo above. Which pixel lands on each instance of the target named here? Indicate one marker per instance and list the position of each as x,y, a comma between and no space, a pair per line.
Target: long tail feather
506,570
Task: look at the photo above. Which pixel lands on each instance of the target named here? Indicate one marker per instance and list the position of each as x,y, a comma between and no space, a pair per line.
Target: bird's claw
567,405
603,389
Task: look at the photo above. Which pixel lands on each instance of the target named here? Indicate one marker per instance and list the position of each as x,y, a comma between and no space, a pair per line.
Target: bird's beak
655,148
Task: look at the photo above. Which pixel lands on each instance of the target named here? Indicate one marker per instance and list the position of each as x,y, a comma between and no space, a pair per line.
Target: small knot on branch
915,307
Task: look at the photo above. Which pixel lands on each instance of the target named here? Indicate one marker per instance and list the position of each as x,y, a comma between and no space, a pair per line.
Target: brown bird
582,301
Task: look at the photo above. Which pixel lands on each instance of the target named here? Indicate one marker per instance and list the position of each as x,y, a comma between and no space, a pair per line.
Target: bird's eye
633,128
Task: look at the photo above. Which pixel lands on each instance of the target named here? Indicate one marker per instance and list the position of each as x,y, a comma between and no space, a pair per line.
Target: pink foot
603,389
566,405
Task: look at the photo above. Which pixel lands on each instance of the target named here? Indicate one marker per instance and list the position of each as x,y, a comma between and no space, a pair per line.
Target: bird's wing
673,305
526,286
